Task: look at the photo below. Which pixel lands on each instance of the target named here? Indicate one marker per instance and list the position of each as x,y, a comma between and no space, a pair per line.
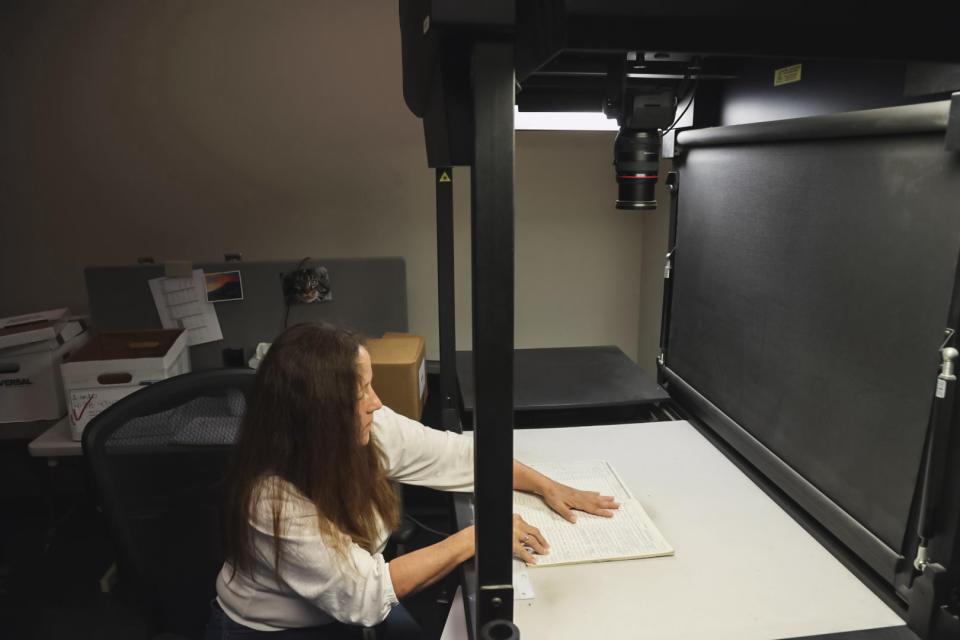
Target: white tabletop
56,442
743,567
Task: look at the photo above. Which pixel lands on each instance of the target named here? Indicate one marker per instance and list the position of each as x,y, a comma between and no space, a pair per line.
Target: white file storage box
114,365
30,384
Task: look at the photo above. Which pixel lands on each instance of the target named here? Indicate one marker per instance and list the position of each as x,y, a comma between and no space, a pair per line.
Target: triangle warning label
444,177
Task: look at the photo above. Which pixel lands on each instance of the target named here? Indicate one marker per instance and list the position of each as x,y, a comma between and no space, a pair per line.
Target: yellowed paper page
629,534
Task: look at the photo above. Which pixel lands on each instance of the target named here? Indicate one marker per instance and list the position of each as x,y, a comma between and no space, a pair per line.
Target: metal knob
946,367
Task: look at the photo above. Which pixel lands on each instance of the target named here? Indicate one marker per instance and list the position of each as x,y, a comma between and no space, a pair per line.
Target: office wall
184,130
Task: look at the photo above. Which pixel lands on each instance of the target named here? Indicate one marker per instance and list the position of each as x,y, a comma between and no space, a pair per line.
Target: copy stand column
449,418
492,260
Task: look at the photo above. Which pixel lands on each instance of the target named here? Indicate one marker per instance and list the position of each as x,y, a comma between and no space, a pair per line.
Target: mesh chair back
158,458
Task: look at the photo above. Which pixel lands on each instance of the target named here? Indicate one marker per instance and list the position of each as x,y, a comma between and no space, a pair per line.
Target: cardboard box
400,372
31,350
32,327
113,365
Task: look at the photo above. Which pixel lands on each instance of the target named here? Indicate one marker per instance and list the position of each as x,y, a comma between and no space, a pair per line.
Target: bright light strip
562,121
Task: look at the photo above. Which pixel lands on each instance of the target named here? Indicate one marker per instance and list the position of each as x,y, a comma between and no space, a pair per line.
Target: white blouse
316,587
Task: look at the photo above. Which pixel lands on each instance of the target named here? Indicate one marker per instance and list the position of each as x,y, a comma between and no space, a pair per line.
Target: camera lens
636,159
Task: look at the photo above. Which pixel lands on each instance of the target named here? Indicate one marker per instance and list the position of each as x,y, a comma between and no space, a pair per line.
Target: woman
311,498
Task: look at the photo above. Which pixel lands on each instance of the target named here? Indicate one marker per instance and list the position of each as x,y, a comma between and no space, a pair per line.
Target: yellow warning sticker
444,177
786,75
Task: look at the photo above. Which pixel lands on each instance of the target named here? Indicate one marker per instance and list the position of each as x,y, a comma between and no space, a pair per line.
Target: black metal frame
446,292
938,528
493,268
673,183
445,38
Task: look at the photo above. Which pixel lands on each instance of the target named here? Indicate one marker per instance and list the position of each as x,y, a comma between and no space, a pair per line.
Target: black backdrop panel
812,283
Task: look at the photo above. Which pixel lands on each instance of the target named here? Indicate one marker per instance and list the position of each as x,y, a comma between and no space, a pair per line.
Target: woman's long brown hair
301,426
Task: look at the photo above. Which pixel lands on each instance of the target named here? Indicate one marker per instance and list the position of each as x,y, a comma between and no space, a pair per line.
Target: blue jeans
399,625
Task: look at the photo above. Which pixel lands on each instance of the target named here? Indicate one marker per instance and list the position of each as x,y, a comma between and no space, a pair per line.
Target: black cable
685,85
693,91
688,91
286,315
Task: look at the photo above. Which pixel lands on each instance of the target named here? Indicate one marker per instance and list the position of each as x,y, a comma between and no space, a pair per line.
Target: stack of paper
182,304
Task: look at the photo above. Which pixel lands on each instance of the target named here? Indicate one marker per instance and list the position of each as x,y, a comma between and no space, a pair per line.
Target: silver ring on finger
526,537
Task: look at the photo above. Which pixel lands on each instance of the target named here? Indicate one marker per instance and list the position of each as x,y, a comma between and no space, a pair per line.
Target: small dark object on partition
307,284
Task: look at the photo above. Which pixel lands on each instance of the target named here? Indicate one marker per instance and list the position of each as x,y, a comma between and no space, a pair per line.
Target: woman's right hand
526,538
417,569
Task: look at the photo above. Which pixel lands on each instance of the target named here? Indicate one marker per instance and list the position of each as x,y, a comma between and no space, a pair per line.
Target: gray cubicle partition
369,296
814,268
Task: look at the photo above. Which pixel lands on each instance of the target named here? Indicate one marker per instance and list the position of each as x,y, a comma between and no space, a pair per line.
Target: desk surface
56,442
743,569
569,378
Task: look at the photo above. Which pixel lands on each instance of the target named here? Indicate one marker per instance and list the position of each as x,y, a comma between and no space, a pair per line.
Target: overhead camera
642,111
636,159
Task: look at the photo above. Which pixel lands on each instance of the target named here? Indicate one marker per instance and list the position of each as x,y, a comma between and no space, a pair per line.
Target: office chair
158,458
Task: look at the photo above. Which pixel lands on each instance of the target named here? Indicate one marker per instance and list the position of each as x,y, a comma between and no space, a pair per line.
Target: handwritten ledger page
628,534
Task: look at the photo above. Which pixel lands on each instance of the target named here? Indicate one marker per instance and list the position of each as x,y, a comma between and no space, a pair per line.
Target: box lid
33,327
395,348
68,332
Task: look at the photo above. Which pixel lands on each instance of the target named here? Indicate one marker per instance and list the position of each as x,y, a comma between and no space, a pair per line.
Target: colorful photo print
224,286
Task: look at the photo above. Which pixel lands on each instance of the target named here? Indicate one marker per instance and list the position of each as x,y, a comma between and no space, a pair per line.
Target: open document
628,534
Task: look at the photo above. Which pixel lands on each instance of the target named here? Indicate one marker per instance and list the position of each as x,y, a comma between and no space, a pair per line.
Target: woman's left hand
564,500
